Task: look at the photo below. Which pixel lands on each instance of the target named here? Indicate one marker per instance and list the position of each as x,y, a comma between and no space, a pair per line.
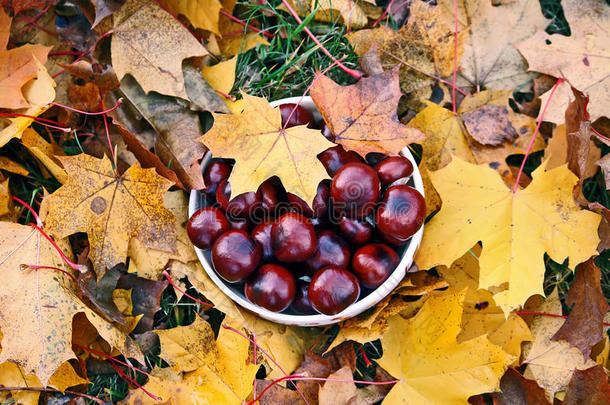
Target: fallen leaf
222,369
8,165
170,388
338,392
111,209
516,228
23,5
351,14
39,93
517,390
11,375
148,43
580,58
200,93
177,129
6,202
102,76
105,8
422,352
363,116
201,13
45,152
447,136
99,294
276,394
424,47
584,326
263,149
17,67
588,387
221,76
551,363
604,163
490,60
145,298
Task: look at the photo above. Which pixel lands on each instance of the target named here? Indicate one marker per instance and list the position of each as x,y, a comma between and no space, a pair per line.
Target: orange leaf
363,116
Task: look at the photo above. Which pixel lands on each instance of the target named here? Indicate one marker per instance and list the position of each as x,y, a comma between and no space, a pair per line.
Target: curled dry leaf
145,298
39,93
490,60
150,44
8,165
584,326
111,209
263,149
581,59
516,228
363,116
424,47
551,363
423,353
17,67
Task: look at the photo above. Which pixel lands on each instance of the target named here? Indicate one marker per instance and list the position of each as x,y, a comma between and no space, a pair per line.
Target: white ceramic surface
235,292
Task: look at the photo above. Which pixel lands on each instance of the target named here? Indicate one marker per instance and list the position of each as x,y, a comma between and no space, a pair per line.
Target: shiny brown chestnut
214,174
354,190
270,195
235,256
320,202
241,206
331,250
354,231
400,214
374,263
334,158
393,168
205,226
241,224
293,238
301,116
332,290
262,235
327,132
301,301
271,287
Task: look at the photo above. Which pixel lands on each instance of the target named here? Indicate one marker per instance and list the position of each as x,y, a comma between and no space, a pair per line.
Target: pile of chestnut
314,259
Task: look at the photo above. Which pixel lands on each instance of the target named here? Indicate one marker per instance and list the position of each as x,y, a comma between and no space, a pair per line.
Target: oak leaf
17,66
551,363
516,228
584,326
39,93
518,390
263,149
111,209
581,59
150,44
424,47
422,352
363,116
447,134
490,60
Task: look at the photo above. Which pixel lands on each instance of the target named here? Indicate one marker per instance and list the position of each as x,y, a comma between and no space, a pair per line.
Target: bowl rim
361,305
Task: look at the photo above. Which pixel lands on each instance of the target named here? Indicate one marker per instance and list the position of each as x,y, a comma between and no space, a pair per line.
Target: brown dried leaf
604,163
584,326
363,116
517,390
588,387
111,209
145,298
150,44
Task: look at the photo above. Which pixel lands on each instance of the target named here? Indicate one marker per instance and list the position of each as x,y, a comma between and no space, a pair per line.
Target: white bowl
235,292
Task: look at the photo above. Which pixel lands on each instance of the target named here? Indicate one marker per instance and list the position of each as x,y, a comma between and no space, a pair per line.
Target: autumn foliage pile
108,106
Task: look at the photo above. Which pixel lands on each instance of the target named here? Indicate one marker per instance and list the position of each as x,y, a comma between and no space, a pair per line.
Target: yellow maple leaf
262,149
150,44
201,13
516,228
581,58
433,368
39,93
111,208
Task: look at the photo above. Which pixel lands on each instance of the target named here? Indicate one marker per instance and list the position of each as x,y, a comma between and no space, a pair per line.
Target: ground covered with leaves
108,106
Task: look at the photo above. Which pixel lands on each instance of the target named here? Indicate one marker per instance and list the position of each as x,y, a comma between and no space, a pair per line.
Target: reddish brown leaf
102,76
518,390
584,326
588,387
363,116
489,125
99,294
23,5
277,395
